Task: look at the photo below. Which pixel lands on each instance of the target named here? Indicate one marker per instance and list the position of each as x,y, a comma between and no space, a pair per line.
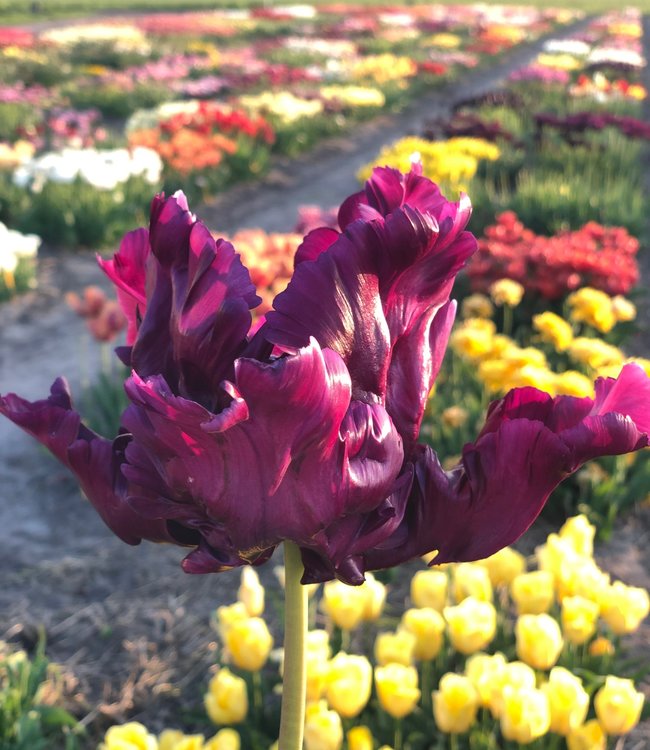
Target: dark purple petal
371,296
127,270
199,300
94,461
529,444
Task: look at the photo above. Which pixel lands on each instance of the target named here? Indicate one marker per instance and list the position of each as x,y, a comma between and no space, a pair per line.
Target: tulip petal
127,270
94,461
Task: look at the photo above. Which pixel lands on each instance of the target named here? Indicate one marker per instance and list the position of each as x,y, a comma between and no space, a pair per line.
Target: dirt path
111,611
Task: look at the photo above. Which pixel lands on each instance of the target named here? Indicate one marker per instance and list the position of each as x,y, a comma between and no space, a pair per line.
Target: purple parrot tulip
307,429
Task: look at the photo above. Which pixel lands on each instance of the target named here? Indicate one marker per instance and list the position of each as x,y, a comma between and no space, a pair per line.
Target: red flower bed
596,256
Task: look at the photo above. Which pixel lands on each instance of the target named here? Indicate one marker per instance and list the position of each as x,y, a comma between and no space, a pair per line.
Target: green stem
294,686
258,701
397,744
427,676
507,320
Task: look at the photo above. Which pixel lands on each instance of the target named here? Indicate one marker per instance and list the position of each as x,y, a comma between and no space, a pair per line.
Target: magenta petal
315,243
127,270
628,394
94,461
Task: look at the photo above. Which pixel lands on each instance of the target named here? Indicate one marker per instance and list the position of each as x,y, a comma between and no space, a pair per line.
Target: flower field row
93,118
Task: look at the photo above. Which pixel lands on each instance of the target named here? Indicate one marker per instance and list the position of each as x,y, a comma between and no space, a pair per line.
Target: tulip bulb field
325,376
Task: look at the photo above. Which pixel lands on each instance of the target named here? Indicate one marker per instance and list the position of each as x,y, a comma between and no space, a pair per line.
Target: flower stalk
294,686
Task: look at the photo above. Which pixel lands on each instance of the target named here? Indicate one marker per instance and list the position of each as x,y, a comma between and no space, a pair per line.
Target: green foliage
15,116
113,101
25,722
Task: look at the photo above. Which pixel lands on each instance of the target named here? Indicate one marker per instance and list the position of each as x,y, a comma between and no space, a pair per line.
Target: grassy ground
31,11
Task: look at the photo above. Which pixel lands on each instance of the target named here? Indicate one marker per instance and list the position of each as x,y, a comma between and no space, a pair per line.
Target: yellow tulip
226,701
398,647
191,742
483,670
624,607
595,353
594,307
477,306
249,643
228,615
317,663
375,592
323,728
169,738
346,605
623,309
526,715
567,699
554,330
589,736
573,383
584,578
601,646
455,704
349,684
539,640
360,738
454,416
224,739
506,292
471,579
397,689
251,592
503,566
533,592
130,736
580,534
471,625
473,339
513,676
427,625
429,589
618,705
579,619
556,555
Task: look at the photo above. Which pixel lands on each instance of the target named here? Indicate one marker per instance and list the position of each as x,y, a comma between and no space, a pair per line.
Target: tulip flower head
306,428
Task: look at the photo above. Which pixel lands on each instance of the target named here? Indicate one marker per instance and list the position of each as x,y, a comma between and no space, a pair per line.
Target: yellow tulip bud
224,739
349,684
346,605
455,704
317,667
539,640
477,306
360,738
554,330
594,307
580,534
229,614
323,728
398,647
454,416
251,592
504,566
375,592
589,736
506,292
533,592
584,578
623,309
428,627
130,736
618,705
191,742
471,625
567,699
515,675
624,607
579,619
397,689
249,643
169,738
555,555
601,646
471,579
482,670
526,715
429,589
227,698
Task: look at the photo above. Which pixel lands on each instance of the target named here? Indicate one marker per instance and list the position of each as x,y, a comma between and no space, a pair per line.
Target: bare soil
129,628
